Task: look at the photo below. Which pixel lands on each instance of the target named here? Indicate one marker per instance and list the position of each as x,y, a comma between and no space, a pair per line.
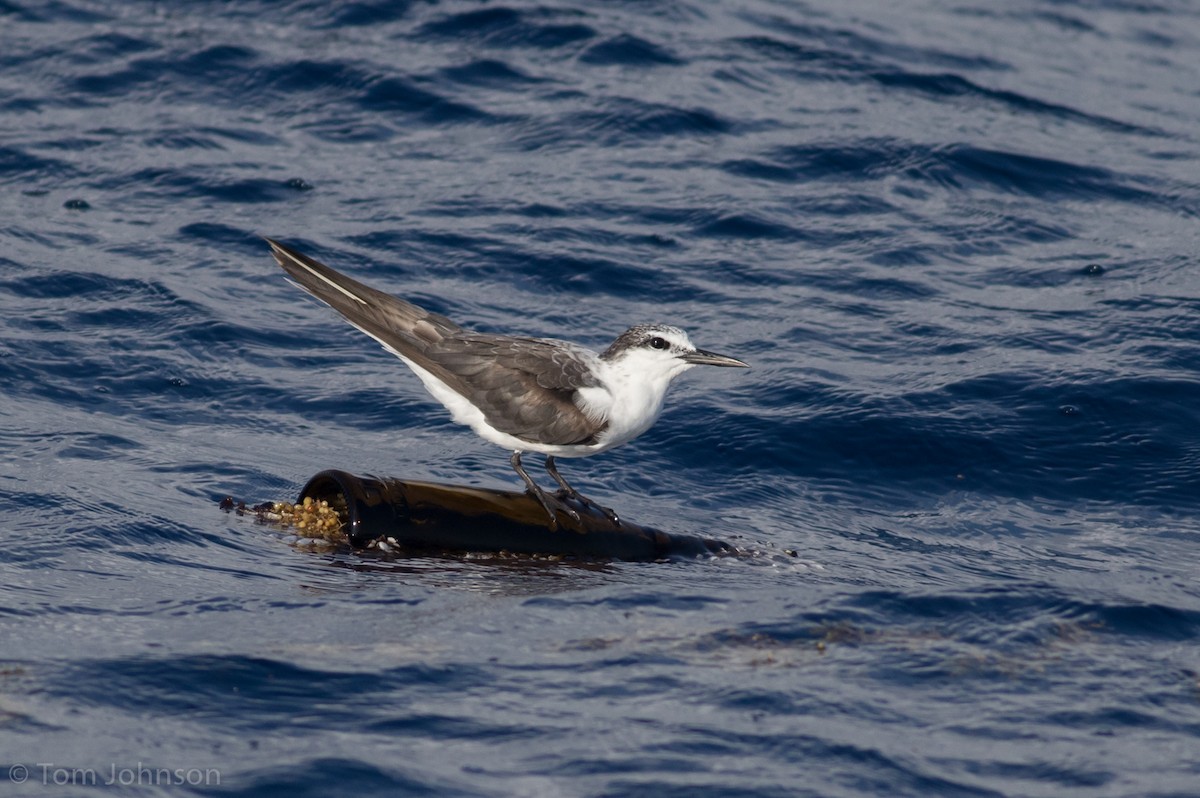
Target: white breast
636,395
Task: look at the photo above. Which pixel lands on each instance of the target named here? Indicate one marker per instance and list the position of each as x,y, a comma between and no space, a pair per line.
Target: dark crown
643,335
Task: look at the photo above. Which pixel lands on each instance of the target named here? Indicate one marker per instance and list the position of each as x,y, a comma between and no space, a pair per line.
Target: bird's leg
552,470
538,493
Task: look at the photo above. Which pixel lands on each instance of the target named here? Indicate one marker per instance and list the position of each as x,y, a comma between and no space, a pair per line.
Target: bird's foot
609,513
553,505
545,500
571,512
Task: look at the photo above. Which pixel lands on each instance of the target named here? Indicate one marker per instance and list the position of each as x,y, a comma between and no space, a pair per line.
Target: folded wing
525,387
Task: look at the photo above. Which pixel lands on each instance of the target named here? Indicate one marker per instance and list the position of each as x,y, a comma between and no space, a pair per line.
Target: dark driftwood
432,516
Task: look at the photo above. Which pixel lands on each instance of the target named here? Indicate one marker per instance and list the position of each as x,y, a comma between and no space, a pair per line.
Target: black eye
658,343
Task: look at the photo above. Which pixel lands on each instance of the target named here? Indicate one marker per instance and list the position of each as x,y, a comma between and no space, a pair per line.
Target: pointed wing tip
276,247
283,253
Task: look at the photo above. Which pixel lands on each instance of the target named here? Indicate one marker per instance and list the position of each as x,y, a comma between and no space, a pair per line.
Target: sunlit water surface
956,241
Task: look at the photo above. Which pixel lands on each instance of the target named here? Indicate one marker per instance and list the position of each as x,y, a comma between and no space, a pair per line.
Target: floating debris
400,519
310,519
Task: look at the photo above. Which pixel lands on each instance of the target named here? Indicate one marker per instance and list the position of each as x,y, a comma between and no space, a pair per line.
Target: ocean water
956,241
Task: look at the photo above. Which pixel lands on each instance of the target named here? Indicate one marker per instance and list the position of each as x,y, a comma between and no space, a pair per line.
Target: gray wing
525,387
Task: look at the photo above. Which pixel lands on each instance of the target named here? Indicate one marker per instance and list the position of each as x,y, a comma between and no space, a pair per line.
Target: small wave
492,74
510,27
955,166
950,85
398,94
621,121
628,50
19,165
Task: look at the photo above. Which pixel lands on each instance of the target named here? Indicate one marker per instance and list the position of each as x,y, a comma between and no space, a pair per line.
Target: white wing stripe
322,277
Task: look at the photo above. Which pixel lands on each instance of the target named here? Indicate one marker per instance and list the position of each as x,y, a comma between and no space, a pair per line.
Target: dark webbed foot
551,504
570,492
570,511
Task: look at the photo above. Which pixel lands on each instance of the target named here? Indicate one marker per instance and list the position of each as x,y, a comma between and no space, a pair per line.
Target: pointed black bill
702,357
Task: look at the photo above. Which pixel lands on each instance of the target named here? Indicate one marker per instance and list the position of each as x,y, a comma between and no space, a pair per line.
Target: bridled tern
525,394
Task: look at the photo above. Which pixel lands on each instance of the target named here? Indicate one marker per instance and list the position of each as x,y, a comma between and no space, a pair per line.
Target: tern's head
660,350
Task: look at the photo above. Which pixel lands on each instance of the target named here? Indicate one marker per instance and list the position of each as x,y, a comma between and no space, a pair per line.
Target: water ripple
960,473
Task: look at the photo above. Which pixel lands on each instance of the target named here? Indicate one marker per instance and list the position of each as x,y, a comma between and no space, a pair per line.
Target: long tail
400,326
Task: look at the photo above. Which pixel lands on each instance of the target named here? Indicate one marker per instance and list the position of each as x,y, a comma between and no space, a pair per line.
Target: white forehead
673,335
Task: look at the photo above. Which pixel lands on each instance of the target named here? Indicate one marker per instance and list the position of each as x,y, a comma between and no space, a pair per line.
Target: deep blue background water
956,241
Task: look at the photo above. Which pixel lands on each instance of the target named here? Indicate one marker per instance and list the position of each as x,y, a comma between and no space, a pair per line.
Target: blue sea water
956,241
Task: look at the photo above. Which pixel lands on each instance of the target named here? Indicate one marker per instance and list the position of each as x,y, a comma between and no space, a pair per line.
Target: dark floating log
432,516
